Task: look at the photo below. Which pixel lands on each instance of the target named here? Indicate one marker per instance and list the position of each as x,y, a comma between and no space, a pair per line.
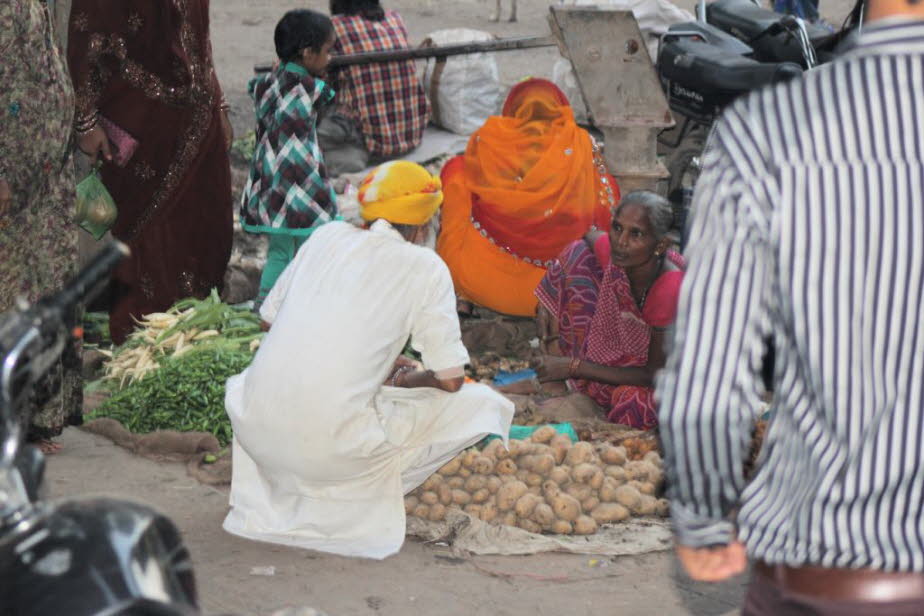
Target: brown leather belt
864,585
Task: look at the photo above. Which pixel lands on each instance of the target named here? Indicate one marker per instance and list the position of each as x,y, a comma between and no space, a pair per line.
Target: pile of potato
545,484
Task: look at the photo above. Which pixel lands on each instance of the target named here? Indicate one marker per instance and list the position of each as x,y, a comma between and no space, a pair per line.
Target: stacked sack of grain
545,484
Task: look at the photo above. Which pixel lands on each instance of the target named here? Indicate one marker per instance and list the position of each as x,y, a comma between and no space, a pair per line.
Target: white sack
467,89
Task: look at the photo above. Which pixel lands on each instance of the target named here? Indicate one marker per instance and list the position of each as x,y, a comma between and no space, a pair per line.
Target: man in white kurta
323,451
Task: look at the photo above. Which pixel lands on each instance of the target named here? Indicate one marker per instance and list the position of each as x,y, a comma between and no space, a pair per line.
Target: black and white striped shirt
809,225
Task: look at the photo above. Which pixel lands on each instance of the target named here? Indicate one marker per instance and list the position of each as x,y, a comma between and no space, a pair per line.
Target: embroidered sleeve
95,43
156,48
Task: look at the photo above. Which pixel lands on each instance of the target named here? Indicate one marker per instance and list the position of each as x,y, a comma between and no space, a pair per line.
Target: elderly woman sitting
604,307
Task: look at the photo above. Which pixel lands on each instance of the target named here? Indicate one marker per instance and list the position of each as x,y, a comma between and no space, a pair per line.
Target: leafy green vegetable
190,324
187,393
96,327
245,146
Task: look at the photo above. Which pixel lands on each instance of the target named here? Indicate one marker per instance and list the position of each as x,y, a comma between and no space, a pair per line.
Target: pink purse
125,144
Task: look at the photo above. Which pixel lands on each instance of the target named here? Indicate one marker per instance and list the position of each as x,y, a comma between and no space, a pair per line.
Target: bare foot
49,447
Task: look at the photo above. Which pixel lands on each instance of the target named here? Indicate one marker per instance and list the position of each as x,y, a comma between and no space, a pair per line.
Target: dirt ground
422,579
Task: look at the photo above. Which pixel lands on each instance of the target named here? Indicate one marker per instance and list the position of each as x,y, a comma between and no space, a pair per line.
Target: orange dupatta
527,186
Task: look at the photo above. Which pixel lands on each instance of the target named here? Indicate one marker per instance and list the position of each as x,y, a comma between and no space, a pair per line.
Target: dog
497,11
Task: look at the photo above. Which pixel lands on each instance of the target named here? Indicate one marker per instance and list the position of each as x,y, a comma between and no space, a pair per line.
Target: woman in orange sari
530,182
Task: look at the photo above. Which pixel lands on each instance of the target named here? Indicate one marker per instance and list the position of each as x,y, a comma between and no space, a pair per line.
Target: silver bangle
399,372
84,125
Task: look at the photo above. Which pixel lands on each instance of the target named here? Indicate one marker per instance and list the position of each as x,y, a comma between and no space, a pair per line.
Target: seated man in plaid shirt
381,109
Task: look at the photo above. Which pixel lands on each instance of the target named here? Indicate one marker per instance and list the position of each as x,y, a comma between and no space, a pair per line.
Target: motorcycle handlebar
31,339
80,288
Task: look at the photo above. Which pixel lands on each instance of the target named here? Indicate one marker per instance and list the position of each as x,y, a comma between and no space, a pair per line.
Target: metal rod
432,52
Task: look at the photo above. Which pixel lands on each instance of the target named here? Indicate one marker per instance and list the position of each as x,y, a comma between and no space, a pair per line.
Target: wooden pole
432,52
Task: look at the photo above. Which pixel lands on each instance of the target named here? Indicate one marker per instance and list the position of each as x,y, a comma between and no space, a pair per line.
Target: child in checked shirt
288,194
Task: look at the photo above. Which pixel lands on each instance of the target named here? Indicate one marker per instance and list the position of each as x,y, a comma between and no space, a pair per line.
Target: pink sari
599,321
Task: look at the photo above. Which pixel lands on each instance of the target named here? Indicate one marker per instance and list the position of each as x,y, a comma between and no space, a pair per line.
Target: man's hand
6,199
94,144
552,368
713,564
401,363
406,362
227,129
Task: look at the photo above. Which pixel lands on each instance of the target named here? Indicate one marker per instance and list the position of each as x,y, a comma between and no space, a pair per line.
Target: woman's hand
548,332
94,144
552,368
6,199
227,129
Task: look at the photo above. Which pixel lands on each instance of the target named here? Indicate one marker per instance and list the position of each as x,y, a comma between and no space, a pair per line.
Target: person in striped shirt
809,225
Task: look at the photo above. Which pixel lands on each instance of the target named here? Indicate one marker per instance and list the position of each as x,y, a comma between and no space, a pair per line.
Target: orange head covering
535,183
530,183
533,90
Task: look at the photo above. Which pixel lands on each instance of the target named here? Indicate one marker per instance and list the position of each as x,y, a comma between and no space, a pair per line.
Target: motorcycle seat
706,67
745,19
712,35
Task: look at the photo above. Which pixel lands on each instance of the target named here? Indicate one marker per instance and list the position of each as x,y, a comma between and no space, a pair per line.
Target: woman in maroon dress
146,68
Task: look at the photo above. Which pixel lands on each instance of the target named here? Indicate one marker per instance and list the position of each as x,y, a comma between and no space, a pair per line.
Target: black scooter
734,47
702,70
98,557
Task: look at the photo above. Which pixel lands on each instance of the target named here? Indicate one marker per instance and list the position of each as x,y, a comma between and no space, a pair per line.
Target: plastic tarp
467,534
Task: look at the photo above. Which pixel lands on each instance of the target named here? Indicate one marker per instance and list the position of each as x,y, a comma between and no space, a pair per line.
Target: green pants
281,251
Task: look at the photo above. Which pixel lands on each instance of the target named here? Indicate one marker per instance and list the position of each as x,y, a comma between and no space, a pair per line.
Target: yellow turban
401,192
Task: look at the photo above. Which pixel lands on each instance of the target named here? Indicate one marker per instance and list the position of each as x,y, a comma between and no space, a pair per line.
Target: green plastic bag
96,211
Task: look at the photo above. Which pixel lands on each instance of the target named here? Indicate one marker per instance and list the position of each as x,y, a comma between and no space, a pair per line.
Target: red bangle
573,367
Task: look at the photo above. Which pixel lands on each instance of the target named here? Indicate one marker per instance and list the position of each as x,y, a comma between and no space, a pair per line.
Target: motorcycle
702,70
772,37
99,557
734,47
775,37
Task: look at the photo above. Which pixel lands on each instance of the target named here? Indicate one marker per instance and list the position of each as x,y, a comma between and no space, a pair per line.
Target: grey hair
659,210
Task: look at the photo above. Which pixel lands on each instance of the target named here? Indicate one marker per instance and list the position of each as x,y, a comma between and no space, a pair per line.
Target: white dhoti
323,453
